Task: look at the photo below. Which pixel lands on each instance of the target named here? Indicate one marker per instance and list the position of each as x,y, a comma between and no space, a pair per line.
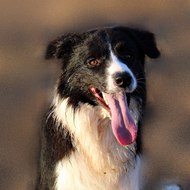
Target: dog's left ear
146,41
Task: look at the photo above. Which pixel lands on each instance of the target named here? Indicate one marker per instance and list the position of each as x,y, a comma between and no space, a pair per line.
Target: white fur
99,162
117,66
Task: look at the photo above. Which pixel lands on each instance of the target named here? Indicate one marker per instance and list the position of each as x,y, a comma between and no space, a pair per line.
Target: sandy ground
26,81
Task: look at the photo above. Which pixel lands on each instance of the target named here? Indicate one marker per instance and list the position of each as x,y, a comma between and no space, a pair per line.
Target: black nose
123,80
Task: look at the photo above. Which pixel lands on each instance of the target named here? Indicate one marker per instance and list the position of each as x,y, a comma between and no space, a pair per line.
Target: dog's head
105,67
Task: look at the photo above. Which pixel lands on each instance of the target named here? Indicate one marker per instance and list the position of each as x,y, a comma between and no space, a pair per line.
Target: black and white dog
91,136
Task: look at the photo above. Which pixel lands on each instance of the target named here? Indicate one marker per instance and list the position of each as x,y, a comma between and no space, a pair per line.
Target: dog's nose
123,80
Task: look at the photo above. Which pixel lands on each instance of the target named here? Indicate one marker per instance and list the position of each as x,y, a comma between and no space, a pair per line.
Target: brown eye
92,62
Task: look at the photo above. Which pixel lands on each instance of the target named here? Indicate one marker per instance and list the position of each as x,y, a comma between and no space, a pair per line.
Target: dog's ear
62,46
144,39
147,43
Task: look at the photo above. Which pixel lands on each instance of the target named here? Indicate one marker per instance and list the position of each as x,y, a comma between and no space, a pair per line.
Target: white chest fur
74,174
99,162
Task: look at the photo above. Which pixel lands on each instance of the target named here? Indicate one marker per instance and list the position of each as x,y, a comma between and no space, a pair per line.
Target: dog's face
105,67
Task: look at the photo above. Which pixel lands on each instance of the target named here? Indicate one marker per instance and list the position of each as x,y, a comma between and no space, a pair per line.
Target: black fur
74,51
56,144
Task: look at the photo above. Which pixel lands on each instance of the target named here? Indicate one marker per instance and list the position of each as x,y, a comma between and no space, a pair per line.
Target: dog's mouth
123,125
99,97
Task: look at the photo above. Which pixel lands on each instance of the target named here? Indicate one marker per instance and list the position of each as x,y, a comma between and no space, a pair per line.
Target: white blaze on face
116,66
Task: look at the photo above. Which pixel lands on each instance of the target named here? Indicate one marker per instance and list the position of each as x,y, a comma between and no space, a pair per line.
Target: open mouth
123,125
99,97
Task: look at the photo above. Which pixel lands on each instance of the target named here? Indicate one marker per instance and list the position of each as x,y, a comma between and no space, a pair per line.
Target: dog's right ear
62,46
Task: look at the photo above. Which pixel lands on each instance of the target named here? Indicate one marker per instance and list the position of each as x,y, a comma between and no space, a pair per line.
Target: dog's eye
92,62
128,56
123,51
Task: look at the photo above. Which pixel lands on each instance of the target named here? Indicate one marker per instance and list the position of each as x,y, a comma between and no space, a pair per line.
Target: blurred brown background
26,81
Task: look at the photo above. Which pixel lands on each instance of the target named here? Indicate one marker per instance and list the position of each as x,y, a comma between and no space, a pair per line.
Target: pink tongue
123,125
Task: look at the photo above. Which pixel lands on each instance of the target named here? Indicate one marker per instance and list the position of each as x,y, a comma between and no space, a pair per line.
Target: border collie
91,136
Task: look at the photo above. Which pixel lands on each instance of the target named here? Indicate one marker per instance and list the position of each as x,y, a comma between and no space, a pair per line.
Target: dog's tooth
104,97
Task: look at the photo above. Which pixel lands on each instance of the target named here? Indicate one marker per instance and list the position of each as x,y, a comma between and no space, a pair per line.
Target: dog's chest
74,174
99,162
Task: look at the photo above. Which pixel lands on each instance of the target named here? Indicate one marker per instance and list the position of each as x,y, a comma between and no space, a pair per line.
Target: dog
91,139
